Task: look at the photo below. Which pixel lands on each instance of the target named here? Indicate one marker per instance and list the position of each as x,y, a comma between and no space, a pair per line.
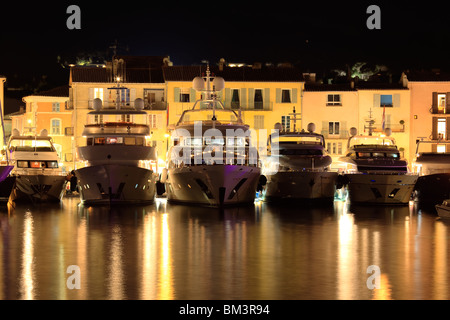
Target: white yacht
212,161
432,164
38,177
375,172
118,163
298,167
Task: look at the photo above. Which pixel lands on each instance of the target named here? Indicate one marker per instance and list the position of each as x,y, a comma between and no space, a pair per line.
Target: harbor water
173,252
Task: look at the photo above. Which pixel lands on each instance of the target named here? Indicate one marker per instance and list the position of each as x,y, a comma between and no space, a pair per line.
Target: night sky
313,35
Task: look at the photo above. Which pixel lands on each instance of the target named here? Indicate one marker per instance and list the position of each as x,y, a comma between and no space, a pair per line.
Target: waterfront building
430,106
49,110
335,108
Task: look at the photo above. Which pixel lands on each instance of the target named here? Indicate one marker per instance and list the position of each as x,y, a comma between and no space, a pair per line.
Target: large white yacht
298,167
375,172
432,164
212,161
118,163
38,177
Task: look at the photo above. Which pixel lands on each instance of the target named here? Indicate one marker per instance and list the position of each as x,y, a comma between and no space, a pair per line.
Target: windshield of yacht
222,116
371,140
31,145
233,141
299,139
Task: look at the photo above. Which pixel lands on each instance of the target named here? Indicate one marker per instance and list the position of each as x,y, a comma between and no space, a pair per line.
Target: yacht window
114,140
214,141
52,164
193,142
378,155
140,141
130,141
393,155
363,154
100,141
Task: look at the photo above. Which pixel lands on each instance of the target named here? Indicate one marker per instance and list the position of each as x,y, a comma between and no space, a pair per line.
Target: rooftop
237,74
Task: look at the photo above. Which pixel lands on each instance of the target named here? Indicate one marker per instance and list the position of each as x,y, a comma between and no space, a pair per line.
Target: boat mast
371,122
294,118
211,94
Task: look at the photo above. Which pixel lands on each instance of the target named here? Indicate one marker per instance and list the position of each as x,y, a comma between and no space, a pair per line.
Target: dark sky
315,35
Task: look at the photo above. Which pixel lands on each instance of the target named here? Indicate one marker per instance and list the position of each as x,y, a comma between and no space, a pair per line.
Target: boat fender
342,180
163,177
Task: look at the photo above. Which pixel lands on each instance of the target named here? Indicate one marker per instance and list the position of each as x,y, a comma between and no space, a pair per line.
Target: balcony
157,105
258,106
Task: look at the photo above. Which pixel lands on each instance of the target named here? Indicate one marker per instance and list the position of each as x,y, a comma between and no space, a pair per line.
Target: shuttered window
440,103
440,128
259,122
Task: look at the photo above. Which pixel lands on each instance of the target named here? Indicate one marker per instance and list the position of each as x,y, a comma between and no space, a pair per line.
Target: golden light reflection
165,284
116,279
82,256
440,272
385,291
149,274
27,279
346,258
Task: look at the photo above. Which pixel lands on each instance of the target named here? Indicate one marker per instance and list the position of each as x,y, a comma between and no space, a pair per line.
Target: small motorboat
443,209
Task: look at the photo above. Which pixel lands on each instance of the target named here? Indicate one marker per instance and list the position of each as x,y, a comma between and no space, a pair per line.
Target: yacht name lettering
196,310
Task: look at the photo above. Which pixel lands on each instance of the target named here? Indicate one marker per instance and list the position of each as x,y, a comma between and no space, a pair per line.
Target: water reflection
27,273
164,251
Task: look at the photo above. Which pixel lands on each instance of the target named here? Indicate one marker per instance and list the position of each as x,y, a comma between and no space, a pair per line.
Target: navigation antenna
294,118
371,122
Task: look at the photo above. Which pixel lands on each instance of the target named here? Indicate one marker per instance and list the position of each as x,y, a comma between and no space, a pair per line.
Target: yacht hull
38,188
292,185
115,184
433,188
213,185
379,188
443,211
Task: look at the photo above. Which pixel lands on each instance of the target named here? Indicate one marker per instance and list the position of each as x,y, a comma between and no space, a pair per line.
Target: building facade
49,110
335,108
430,108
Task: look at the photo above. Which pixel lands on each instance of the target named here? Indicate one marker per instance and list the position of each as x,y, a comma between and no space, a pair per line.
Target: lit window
441,102
386,100
56,126
334,100
442,128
